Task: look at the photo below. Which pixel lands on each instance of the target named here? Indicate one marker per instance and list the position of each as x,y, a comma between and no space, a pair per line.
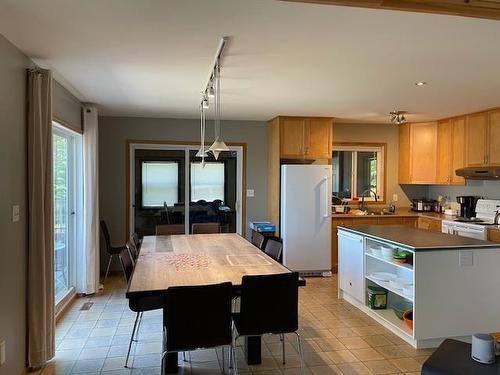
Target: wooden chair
205,228
169,229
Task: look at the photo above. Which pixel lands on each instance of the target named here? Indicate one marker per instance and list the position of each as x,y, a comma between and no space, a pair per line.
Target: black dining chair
110,249
198,317
205,228
269,305
258,239
134,253
274,248
169,229
136,240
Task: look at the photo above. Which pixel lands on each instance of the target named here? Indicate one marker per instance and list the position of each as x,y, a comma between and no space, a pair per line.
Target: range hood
479,173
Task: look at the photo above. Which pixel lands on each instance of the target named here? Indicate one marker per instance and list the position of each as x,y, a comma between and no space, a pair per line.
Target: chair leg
107,269
282,338
140,314
234,361
131,339
223,360
301,355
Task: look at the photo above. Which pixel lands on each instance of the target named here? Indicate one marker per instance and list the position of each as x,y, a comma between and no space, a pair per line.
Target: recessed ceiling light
421,83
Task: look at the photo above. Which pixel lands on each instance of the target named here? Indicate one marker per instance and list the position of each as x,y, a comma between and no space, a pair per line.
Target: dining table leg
253,350
169,362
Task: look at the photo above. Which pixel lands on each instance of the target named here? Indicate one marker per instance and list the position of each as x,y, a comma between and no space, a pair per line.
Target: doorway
170,186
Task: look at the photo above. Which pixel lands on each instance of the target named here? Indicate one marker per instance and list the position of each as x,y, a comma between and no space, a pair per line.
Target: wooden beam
488,9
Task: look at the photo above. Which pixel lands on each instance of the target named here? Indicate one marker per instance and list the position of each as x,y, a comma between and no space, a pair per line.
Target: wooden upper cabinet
292,137
305,137
423,149
493,157
457,149
477,132
444,152
404,154
318,140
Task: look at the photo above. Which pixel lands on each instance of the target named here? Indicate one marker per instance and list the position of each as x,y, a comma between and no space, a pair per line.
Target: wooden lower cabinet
364,220
429,223
494,235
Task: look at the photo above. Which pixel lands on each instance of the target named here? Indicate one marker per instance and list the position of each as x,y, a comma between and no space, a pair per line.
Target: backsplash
486,189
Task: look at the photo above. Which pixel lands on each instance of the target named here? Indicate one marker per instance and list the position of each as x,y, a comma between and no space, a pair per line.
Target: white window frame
380,150
75,221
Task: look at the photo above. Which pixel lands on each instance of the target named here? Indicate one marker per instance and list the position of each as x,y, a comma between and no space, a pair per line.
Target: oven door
477,233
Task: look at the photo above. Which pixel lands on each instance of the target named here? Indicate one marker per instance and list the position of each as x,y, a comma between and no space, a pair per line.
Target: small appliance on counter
484,348
423,205
467,206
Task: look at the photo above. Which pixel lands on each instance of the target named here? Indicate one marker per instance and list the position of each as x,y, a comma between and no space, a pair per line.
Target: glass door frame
75,207
239,148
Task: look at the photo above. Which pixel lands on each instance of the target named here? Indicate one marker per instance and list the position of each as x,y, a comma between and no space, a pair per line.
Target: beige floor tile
381,367
354,368
406,364
354,342
366,354
342,356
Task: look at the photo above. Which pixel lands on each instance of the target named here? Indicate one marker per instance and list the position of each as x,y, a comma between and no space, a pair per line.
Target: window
358,170
207,183
68,199
160,183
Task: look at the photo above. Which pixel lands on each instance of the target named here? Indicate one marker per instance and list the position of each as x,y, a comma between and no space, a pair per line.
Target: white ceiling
152,57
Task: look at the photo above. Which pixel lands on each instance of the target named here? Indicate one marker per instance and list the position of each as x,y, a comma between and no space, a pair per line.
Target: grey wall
486,189
114,132
13,257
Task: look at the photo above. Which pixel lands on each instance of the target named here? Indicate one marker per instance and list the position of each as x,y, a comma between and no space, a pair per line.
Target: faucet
363,194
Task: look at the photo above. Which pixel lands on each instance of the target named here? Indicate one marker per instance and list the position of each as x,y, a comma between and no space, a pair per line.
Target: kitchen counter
399,213
418,239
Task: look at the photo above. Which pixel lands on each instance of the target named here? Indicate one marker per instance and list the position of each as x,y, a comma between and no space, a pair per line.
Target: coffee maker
467,205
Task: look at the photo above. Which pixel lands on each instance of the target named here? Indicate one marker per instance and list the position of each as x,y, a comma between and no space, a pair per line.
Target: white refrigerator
305,220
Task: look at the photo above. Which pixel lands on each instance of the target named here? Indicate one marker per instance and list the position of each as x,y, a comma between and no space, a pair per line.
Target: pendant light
219,145
202,152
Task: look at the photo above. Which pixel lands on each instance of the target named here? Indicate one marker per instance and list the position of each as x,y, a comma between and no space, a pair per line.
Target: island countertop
418,239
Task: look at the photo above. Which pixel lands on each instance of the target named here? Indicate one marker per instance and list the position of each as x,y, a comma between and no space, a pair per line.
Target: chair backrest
274,248
105,234
136,240
198,317
269,304
169,229
258,239
134,253
127,263
205,228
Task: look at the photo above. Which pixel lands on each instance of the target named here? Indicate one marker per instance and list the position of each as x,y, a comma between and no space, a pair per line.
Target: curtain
41,320
89,283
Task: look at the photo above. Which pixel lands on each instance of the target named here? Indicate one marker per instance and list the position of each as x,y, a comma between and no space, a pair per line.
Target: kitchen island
451,283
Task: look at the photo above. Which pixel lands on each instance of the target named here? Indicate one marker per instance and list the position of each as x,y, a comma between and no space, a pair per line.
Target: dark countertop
418,239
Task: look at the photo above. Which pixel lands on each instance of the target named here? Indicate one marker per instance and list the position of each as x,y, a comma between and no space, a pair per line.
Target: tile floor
337,339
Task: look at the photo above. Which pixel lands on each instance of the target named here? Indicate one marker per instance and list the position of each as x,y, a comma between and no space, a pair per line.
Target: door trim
130,142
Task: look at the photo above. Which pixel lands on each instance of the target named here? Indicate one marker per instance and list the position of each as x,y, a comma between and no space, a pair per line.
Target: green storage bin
377,298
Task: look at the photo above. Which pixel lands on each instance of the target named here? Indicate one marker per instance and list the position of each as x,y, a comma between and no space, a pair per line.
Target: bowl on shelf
400,307
400,257
408,318
400,283
376,250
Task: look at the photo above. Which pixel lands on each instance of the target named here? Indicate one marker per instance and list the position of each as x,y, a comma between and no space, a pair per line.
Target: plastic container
377,298
400,308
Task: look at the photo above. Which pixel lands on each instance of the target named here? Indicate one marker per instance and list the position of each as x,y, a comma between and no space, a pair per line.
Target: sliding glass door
67,193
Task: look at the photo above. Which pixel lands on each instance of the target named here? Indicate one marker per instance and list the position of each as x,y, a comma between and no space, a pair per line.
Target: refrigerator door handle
327,206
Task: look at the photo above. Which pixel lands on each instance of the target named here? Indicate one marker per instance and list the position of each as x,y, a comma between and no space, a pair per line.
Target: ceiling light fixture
421,83
212,90
202,152
398,117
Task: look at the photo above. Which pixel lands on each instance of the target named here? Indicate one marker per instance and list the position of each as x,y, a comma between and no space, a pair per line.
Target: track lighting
210,90
398,117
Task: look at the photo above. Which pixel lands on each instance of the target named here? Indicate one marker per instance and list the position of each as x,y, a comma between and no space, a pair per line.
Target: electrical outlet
250,193
15,213
2,352
466,258
394,197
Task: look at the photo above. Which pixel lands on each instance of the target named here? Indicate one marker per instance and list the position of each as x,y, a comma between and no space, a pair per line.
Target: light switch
250,193
15,213
394,197
2,353
466,258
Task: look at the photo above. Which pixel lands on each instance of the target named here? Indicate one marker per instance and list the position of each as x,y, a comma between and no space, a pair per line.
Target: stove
487,211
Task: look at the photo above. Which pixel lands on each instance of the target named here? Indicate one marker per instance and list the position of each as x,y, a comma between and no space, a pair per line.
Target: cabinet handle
486,159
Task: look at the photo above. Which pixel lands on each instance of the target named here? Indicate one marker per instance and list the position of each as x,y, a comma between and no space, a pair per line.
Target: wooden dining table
195,259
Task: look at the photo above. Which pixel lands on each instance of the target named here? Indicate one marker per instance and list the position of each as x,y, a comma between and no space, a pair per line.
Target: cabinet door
335,247
494,139
457,149
351,274
318,142
423,142
444,152
292,137
476,130
404,154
